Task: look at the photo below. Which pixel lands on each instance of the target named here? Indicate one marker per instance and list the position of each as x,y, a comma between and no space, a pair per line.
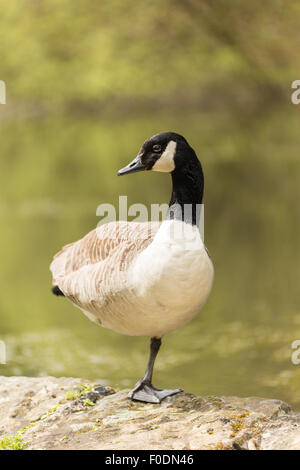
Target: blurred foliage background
87,82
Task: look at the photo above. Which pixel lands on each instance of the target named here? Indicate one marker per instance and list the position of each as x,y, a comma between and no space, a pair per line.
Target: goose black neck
187,191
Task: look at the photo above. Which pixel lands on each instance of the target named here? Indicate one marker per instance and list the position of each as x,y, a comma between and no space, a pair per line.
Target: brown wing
83,269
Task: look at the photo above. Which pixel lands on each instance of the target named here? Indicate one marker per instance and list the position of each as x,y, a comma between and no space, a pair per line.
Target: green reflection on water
55,172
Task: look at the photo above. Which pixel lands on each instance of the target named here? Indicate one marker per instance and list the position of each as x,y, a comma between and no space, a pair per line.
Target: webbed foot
146,393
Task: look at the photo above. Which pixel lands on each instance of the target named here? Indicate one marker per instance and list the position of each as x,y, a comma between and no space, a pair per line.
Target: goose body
144,279
136,278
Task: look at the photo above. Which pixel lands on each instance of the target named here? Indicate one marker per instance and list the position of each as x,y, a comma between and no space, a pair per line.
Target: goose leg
144,390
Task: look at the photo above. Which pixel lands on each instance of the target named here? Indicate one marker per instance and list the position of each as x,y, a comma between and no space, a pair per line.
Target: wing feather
87,270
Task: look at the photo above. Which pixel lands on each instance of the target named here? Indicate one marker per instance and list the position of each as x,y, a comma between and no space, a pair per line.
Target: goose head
163,152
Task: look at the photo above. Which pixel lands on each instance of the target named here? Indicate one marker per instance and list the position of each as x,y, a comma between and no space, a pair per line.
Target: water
55,171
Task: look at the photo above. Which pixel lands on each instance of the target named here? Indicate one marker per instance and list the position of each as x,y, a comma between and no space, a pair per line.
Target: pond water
55,171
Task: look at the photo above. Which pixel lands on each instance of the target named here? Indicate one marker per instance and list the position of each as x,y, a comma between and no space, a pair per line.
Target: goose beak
133,167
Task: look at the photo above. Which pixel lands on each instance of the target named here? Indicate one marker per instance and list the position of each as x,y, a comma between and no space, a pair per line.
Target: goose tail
56,291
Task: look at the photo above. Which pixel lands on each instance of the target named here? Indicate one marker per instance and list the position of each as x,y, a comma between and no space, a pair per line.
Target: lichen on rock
66,413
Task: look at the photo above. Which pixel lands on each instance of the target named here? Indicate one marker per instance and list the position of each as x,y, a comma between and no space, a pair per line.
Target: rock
67,413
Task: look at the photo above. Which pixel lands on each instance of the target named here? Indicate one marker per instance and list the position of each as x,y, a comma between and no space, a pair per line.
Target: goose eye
156,148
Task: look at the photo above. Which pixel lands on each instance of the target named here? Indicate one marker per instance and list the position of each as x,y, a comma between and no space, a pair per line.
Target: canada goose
144,279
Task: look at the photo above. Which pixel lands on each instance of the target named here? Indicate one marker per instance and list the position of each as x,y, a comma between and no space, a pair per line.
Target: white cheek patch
166,162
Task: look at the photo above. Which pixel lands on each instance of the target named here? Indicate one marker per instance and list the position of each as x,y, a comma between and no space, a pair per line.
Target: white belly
165,287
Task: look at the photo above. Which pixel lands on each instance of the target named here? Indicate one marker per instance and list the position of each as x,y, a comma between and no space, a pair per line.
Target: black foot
148,394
